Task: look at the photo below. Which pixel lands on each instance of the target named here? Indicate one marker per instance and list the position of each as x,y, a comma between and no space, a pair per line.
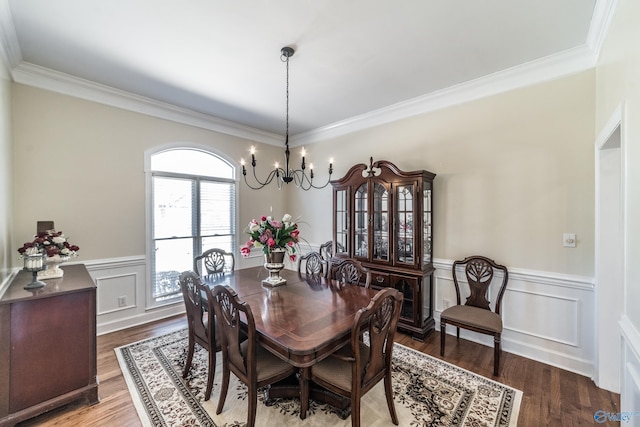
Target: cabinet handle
379,279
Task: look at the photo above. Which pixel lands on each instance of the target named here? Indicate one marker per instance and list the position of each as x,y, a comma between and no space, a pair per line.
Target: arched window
193,200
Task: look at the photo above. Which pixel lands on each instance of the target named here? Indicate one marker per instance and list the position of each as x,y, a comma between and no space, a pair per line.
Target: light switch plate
569,240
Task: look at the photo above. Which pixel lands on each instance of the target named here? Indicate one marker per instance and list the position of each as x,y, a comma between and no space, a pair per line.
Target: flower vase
53,270
274,262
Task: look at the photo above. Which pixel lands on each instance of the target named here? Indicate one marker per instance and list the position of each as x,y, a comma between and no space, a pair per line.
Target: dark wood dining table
302,322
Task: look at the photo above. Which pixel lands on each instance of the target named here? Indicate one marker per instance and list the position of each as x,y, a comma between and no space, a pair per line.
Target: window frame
149,209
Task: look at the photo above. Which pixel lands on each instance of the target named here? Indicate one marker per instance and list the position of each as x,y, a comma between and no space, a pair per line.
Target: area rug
427,392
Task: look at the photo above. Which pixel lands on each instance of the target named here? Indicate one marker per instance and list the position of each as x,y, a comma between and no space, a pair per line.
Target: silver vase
274,262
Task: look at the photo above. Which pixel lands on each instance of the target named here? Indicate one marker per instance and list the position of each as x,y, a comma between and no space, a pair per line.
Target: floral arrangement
50,242
270,234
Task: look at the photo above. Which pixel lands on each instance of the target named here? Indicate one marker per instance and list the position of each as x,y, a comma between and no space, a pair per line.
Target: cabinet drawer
380,279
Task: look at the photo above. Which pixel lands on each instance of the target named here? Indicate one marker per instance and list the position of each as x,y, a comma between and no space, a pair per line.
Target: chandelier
286,174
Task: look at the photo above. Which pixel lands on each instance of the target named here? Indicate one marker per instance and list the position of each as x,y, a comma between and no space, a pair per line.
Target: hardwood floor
551,396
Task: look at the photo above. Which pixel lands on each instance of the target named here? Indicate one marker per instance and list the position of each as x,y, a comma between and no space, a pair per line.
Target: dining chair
357,367
326,250
349,271
214,260
201,322
248,360
476,314
312,264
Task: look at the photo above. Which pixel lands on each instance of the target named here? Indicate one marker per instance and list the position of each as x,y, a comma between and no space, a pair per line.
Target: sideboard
47,344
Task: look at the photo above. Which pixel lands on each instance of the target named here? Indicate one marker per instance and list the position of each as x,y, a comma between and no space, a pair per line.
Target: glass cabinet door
405,237
380,223
427,231
361,217
341,222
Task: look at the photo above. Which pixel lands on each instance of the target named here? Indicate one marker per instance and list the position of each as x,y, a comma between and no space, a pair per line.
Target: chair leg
187,364
496,355
212,373
223,388
253,404
388,390
443,333
355,410
304,392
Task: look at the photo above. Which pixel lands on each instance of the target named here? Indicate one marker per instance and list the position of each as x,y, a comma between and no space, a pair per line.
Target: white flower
286,218
32,251
58,240
65,251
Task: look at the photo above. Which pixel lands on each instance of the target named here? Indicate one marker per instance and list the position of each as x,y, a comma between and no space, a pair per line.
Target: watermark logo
601,416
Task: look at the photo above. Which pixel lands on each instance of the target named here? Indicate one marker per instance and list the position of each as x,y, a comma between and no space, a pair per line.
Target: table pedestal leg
289,388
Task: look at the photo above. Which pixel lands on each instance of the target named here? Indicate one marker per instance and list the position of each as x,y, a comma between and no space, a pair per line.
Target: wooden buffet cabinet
47,344
383,217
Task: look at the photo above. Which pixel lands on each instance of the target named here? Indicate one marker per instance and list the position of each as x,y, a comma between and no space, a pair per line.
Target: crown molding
44,78
9,47
603,13
544,69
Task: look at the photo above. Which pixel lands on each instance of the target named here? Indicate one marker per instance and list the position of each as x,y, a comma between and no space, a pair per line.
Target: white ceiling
355,62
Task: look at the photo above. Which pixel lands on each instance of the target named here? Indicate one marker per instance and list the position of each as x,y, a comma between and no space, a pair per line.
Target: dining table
302,321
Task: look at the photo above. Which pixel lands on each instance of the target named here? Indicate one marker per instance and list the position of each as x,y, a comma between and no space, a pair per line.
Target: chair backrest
192,291
479,272
349,271
312,264
326,250
214,261
380,320
228,308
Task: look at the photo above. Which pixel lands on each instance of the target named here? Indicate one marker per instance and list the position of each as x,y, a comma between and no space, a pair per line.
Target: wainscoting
122,292
630,375
547,317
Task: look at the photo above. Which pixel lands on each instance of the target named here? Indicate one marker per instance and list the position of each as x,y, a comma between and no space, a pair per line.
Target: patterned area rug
427,392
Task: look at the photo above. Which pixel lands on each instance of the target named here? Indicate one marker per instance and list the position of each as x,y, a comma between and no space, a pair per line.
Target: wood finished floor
551,396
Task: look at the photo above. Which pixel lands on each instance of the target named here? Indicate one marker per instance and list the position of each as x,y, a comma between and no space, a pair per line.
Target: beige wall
81,164
618,82
5,173
514,172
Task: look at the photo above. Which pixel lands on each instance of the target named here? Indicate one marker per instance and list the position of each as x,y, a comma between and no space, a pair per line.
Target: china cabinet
383,217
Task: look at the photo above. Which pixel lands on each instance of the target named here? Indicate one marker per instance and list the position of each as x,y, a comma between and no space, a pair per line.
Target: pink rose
271,243
294,234
293,257
263,218
245,251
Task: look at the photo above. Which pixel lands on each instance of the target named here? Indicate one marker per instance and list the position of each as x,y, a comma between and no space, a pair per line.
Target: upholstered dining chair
312,264
476,314
214,261
248,360
357,367
349,271
202,325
